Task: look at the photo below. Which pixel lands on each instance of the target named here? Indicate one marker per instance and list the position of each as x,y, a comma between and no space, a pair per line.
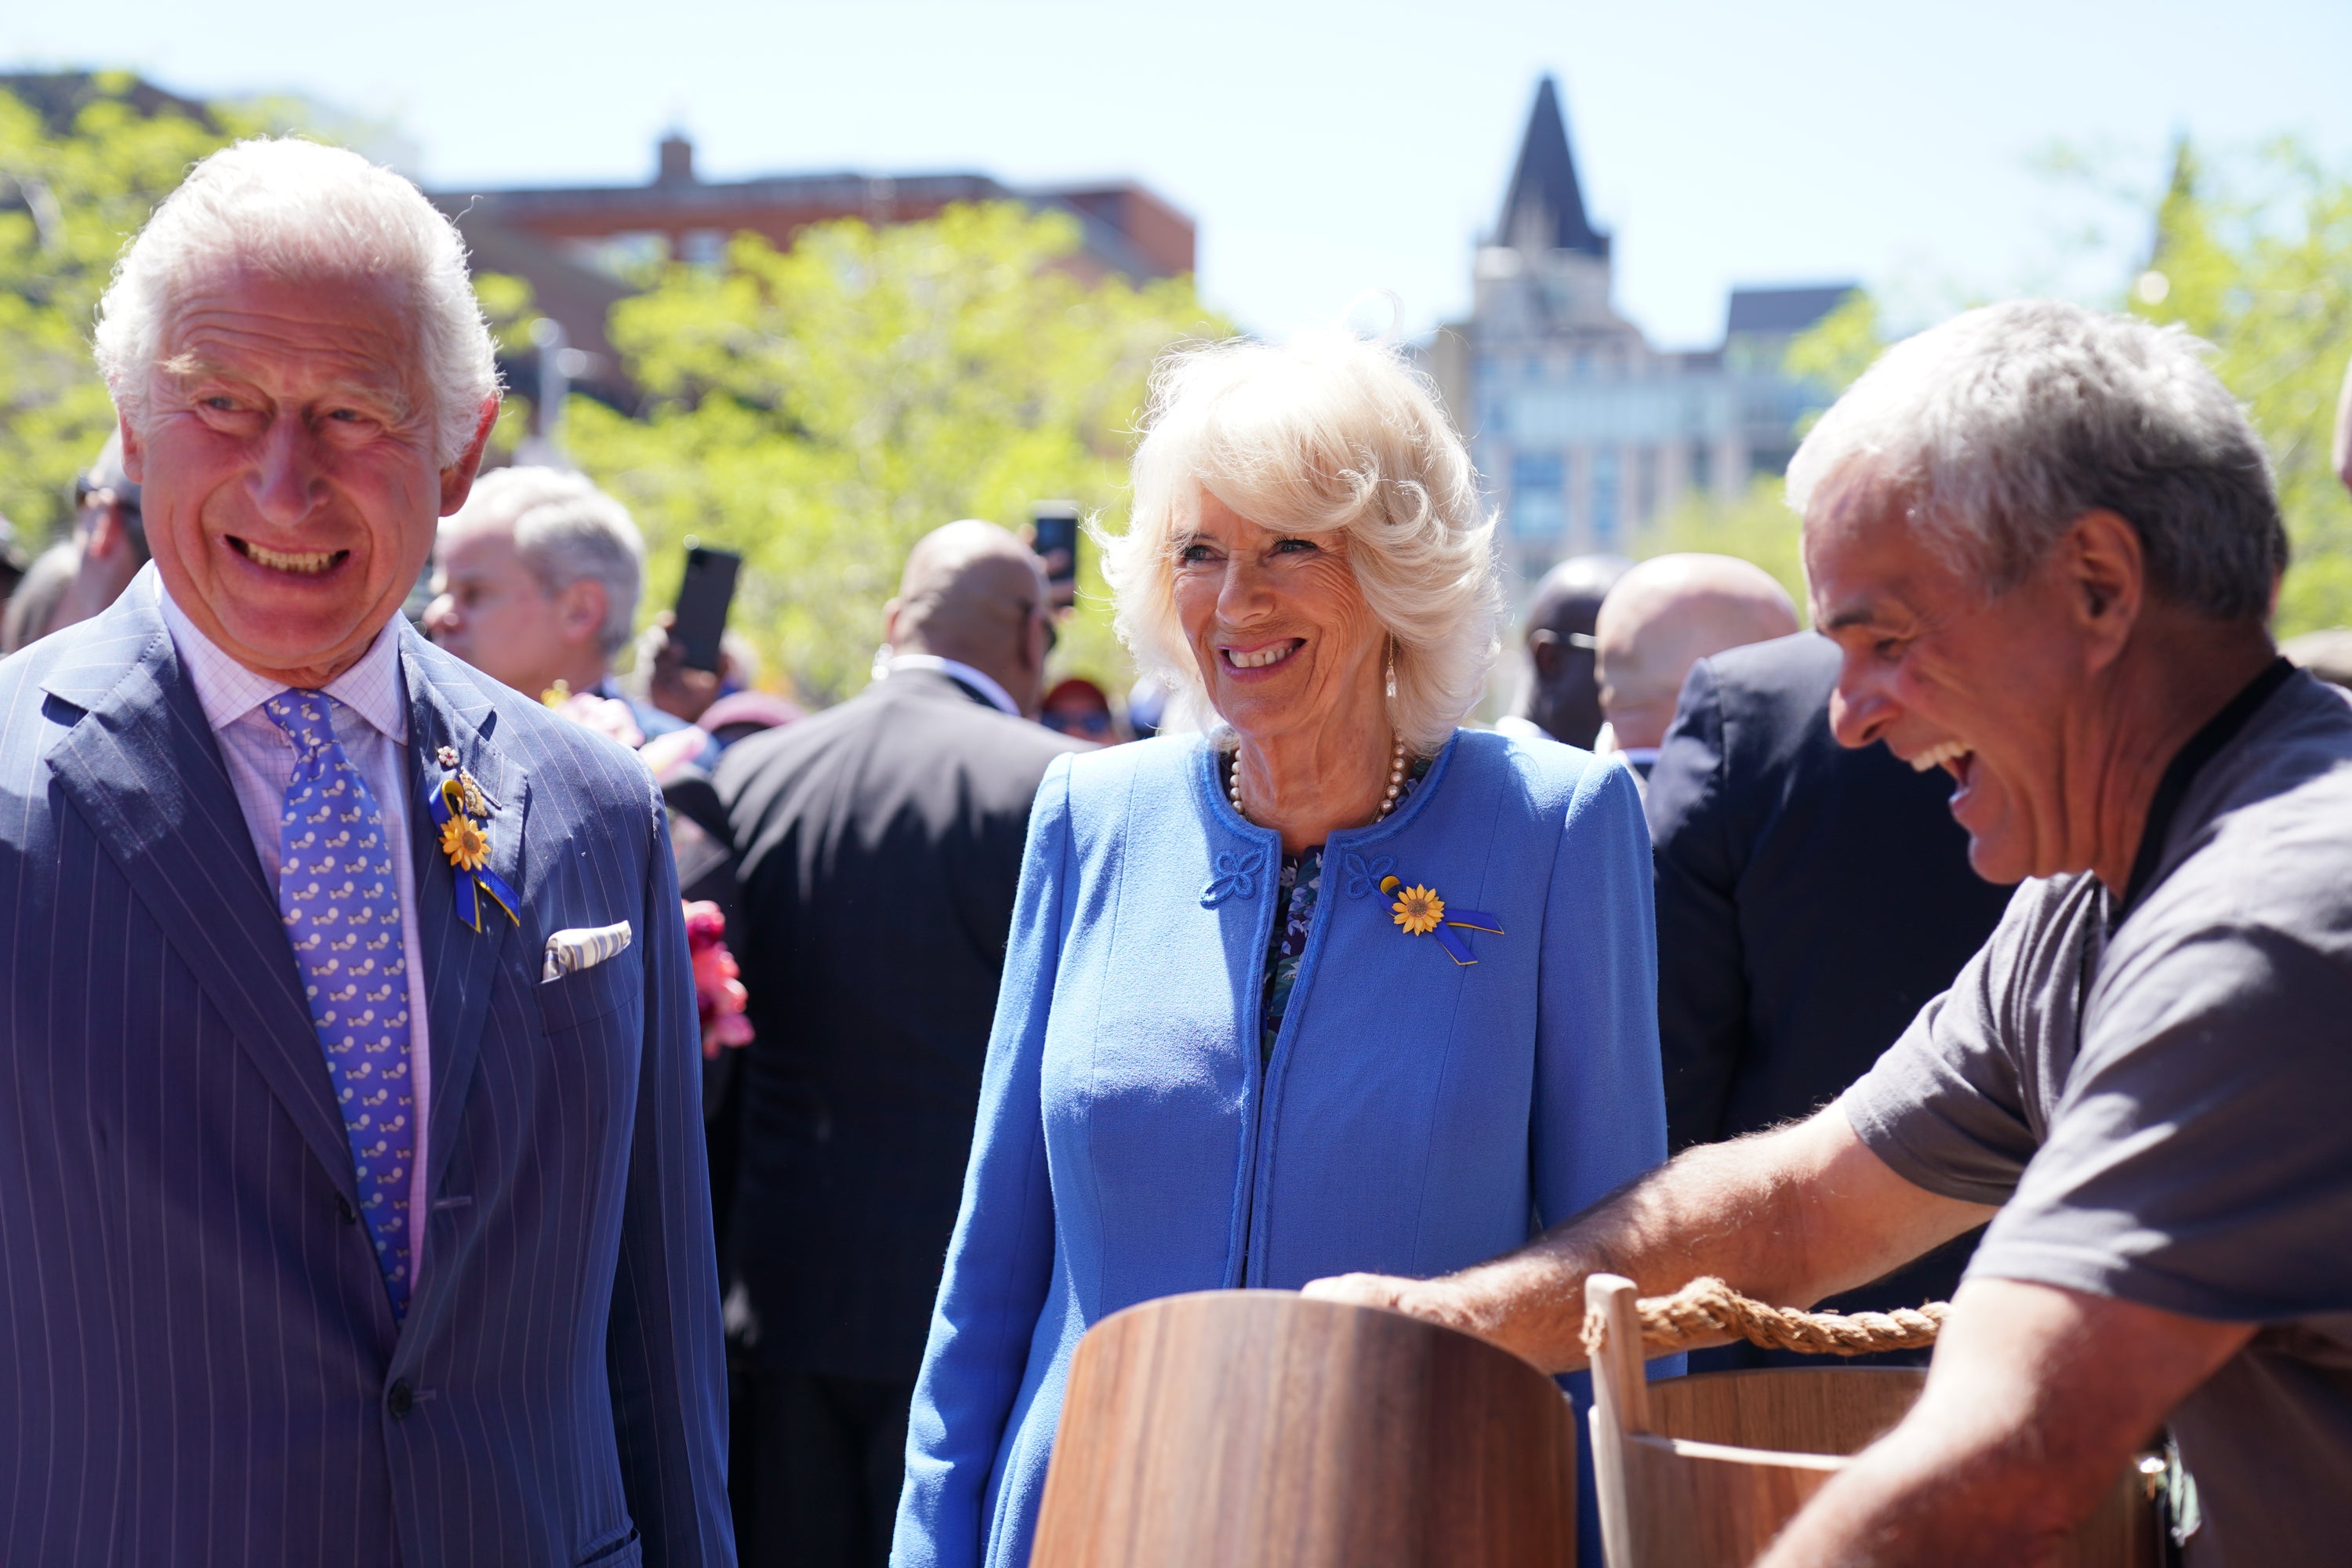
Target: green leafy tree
2261,267
2258,264
1834,350
820,409
1757,526
78,175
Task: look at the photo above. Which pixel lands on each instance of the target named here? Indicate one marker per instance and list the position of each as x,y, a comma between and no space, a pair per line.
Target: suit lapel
143,770
447,707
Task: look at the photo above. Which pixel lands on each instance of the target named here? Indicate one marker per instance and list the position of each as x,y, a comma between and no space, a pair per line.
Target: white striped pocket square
585,947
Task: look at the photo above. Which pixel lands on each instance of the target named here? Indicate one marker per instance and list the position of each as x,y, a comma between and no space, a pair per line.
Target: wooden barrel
1258,1429
1704,1472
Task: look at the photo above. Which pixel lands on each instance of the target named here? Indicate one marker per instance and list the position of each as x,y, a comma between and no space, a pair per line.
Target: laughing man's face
287,455
1990,690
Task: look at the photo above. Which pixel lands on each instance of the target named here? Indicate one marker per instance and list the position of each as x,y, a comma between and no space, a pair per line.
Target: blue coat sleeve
1600,1111
1001,1258
662,1345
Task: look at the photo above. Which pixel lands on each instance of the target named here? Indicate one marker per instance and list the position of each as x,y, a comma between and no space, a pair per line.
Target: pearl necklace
1387,800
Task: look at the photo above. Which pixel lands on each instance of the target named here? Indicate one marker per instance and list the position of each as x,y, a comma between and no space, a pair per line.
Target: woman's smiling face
1282,637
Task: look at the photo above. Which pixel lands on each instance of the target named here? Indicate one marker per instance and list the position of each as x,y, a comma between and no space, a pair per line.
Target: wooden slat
1810,1410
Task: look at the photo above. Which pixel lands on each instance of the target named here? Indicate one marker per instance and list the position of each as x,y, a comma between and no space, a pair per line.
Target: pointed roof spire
1545,206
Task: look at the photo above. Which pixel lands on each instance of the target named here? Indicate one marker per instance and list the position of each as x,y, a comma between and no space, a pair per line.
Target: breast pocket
583,997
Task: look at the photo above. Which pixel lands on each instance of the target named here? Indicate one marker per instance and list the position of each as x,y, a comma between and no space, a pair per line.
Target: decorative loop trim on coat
1237,876
1363,877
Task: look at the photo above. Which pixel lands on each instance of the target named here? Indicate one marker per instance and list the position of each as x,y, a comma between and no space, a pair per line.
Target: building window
1535,502
631,256
1604,499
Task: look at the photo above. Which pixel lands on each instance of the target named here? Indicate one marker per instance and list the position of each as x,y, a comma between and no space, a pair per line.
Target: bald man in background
1661,617
1560,694
880,846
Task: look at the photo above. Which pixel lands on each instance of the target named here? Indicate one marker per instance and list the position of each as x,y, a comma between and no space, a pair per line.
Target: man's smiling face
286,448
1984,688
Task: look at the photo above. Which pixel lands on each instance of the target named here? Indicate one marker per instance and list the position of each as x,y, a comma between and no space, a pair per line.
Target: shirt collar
371,688
2172,788
998,698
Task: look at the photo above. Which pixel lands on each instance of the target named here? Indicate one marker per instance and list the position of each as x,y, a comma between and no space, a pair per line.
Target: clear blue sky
1325,148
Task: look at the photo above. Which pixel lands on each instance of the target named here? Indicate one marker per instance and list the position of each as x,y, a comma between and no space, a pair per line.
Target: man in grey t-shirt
2162,1104
2046,544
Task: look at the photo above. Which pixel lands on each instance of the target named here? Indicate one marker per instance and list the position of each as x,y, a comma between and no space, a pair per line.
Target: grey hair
300,210
564,529
1324,434
1998,428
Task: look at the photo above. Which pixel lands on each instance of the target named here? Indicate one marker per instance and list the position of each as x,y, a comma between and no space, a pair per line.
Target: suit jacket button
401,1399
343,1208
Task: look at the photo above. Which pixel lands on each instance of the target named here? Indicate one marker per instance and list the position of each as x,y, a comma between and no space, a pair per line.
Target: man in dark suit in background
880,843
1811,899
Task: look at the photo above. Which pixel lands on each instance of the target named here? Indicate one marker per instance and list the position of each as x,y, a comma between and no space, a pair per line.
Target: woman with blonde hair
1337,986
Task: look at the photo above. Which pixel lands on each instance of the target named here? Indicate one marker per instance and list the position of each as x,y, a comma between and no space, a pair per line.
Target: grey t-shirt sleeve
1944,1106
2200,1161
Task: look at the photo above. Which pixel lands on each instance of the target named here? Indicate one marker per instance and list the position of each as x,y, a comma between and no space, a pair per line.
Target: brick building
579,246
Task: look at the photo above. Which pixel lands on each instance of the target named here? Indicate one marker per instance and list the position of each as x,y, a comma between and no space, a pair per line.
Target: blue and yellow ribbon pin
463,816
1419,911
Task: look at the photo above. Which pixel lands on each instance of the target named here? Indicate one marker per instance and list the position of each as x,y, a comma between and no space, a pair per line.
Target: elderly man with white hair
536,581
356,1211
2046,542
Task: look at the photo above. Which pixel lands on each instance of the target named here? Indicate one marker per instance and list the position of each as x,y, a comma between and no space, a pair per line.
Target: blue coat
200,1360
1415,1114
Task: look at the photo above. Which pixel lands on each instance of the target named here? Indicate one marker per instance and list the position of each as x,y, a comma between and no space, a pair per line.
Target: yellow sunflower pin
464,843
463,811
1418,910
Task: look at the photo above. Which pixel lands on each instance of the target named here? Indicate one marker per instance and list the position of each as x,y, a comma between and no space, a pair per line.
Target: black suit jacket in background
1811,900
879,849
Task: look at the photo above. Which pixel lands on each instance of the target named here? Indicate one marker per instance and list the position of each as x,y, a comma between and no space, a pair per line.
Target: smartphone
703,595
1056,526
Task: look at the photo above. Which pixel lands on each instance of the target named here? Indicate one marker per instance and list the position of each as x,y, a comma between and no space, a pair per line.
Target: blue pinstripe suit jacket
198,1363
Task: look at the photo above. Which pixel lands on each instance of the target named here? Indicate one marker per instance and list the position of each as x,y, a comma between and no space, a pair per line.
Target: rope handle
1706,1308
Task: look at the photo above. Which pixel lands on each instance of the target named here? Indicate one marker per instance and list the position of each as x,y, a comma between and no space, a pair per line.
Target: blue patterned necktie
342,907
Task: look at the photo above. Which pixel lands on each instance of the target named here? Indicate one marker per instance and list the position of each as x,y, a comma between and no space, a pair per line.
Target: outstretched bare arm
2035,1401
1788,1216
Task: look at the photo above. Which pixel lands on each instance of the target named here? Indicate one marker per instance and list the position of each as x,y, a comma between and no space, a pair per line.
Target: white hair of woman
564,529
302,210
1996,430
1325,434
